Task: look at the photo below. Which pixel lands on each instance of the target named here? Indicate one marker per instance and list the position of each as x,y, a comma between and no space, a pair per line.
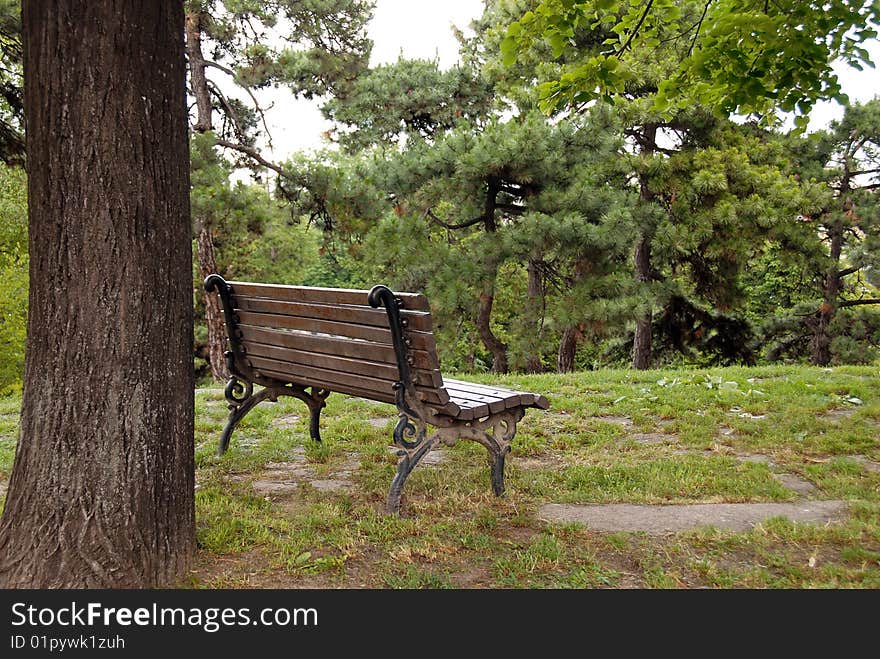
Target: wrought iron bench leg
237,413
495,433
496,463
242,400
409,458
316,403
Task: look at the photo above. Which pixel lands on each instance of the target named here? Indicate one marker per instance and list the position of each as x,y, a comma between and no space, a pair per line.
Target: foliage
835,254
11,101
250,236
735,56
320,43
313,48
551,204
13,276
415,97
856,335
707,196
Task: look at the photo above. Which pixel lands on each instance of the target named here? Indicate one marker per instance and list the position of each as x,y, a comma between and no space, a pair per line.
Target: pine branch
454,227
255,155
857,303
227,109
219,66
259,108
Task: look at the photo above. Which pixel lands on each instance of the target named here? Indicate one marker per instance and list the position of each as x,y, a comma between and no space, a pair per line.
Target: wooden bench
307,342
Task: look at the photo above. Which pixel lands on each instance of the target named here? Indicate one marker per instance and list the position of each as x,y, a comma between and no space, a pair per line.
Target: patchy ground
726,478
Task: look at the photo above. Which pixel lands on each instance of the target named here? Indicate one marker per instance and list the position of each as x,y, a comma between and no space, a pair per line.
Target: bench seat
474,401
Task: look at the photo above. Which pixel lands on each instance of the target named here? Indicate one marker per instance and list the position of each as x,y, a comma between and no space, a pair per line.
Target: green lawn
683,436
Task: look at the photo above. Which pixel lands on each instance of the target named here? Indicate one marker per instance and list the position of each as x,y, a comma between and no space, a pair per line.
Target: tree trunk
487,291
101,493
213,313
821,343
642,268
642,339
207,262
568,349
533,313
493,344
197,78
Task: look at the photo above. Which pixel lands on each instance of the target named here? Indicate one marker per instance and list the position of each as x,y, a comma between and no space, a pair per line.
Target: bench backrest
333,339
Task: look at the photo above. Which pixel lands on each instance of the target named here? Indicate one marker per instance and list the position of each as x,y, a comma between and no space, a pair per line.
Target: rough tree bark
495,345
198,80
533,314
207,262
821,342
643,270
641,356
101,493
487,287
573,334
568,349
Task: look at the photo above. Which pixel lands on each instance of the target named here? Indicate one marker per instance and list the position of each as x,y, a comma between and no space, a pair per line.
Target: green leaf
558,43
508,51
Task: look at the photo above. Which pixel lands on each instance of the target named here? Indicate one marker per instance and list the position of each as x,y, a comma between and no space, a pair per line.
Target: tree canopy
735,56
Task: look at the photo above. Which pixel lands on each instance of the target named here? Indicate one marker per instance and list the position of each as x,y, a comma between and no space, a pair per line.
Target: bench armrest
381,295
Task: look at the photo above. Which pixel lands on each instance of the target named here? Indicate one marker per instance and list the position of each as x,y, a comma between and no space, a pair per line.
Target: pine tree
311,48
842,228
664,149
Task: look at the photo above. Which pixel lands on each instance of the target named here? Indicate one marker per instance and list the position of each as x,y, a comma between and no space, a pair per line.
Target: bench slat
418,340
332,362
526,399
495,403
331,338
416,320
340,381
411,301
364,350
344,330
470,409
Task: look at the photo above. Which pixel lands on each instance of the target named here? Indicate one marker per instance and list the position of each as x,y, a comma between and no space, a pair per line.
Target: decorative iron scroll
239,390
410,430
235,356
495,433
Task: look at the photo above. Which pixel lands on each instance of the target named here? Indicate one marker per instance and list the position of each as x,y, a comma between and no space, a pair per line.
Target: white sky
423,29
416,29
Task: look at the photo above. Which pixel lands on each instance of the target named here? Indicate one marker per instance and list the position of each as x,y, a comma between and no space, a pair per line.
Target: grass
670,437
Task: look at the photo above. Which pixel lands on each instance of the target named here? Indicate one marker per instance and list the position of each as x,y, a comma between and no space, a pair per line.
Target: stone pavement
657,519
664,518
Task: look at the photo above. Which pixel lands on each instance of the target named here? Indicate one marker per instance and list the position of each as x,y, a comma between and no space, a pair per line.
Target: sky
416,29
422,29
